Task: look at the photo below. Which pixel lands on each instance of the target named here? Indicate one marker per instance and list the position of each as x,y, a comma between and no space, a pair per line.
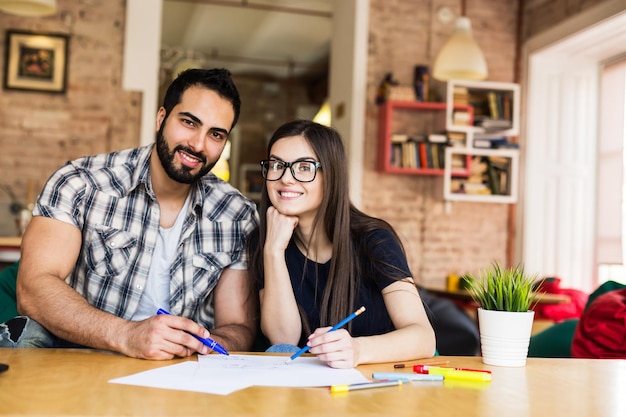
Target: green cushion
8,303
553,342
602,289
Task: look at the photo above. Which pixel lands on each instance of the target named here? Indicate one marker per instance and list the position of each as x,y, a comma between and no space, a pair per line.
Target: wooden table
74,382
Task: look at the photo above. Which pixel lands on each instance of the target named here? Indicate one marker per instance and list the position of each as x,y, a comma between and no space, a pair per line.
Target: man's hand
163,337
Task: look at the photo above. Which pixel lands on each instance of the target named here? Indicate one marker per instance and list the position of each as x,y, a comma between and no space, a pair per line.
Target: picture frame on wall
36,61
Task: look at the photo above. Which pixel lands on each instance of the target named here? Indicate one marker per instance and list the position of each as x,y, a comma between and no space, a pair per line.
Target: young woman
317,259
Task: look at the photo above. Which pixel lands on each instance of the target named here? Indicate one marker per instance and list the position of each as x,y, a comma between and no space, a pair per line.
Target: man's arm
236,310
50,249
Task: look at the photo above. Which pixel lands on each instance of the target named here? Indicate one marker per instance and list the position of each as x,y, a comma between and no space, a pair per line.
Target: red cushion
601,331
562,311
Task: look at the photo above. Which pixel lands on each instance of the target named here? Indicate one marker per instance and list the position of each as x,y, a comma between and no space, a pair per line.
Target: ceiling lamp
323,115
461,57
29,8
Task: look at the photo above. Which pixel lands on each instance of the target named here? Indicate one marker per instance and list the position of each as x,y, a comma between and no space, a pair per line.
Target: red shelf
385,121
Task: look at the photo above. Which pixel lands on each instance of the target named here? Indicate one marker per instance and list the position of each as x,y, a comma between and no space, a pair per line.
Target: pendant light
30,8
461,57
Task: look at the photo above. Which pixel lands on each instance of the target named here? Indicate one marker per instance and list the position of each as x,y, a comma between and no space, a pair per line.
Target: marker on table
335,327
351,387
423,369
436,363
212,344
394,376
450,373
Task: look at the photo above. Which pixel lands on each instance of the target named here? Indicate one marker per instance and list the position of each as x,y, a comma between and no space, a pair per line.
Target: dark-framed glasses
303,171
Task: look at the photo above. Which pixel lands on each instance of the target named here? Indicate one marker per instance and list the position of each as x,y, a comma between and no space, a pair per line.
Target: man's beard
182,174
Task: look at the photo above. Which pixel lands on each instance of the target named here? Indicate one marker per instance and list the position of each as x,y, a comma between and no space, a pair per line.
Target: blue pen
212,344
335,327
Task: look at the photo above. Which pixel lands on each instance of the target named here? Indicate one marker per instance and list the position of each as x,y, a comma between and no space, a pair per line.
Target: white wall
348,80
142,48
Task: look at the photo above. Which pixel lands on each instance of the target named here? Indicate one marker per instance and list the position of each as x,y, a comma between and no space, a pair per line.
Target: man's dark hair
217,79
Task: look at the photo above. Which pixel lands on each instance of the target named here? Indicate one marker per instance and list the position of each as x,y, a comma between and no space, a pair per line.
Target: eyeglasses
303,171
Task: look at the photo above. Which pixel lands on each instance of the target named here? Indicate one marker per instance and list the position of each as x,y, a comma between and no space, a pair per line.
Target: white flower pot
504,336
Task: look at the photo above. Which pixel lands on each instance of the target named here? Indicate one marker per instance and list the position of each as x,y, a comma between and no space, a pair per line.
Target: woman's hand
338,349
279,229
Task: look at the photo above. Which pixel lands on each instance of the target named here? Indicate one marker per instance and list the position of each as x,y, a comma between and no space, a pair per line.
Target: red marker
423,369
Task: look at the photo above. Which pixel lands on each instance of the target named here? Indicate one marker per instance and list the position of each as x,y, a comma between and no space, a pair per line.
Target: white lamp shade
323,115
460,58
29,7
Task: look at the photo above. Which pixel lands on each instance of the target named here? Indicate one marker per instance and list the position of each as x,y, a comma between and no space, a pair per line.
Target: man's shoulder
115,172
112,159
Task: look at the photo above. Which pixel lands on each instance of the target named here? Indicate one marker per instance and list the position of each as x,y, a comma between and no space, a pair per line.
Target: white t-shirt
157,292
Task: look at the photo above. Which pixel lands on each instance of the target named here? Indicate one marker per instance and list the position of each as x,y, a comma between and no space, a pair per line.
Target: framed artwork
35,61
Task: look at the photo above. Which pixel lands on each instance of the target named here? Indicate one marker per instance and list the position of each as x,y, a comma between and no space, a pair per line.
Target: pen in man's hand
335,327
212,344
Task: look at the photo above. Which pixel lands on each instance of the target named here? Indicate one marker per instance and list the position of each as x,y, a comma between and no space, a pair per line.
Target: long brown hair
343,224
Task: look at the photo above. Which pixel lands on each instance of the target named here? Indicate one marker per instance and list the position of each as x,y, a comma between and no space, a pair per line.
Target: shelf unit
504,179
496,108
412,118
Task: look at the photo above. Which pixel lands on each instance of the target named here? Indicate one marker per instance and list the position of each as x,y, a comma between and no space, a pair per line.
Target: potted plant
505,297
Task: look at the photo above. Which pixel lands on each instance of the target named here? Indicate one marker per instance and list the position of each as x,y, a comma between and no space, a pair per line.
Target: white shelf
503,91
510,89
509,197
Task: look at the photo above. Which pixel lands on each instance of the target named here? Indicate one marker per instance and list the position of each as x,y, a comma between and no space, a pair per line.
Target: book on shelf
492,176
417,152
489,141
500,162
437,138
460,95
494,109
423,154
408,155
396,155
456,139
490,124
461,118
399,138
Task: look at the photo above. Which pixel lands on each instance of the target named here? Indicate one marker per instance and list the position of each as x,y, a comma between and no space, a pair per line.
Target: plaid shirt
110,199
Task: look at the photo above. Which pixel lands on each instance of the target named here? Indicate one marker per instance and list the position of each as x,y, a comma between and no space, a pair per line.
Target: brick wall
540,15
40,131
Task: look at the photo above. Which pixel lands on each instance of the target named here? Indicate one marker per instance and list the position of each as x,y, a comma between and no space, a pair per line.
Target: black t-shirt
384,248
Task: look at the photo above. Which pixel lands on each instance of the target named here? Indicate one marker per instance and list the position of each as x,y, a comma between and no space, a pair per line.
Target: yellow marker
450,373
351,387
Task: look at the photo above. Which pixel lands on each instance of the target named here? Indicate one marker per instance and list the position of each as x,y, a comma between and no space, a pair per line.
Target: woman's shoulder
377,235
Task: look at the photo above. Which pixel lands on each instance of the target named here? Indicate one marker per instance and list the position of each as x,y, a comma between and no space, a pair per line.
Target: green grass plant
502,289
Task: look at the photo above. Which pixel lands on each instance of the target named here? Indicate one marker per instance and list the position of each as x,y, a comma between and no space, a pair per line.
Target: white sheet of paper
218,374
